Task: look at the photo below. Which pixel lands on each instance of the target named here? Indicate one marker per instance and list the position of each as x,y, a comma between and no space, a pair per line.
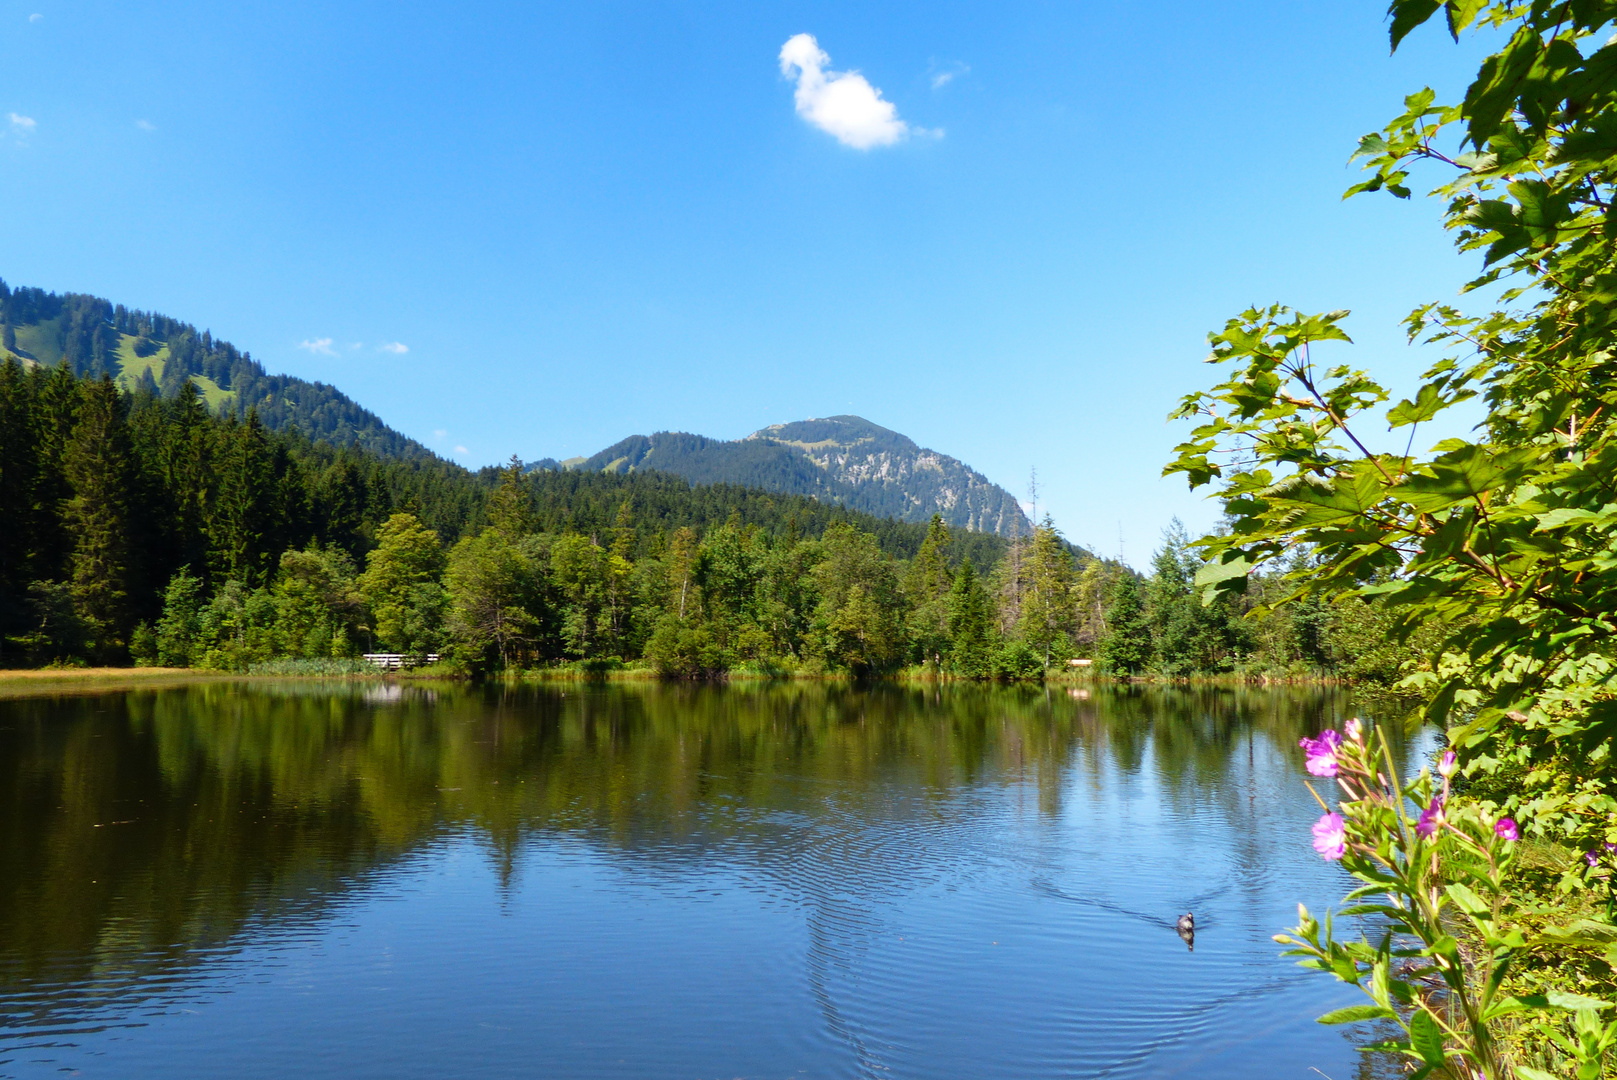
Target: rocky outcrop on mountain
842,459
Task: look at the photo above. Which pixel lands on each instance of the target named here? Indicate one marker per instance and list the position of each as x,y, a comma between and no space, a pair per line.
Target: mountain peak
832,430
839,459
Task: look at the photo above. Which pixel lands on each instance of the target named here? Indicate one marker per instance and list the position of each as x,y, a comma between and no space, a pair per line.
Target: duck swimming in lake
1187,930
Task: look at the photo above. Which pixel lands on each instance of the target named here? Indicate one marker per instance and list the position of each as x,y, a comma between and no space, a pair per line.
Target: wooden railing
394,661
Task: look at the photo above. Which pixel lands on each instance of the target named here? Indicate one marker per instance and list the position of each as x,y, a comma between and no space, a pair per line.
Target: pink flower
1354,729
1506,829
1321,752
1330,836
1446,764
1431,819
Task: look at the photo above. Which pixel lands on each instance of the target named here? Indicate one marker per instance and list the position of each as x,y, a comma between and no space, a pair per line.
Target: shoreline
139,677
18,681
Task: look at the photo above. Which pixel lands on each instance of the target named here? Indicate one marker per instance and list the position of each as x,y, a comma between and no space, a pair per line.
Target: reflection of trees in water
140,826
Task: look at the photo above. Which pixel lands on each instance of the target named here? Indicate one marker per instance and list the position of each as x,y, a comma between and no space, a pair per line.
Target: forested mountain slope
846,460
140,349
842,461
106,495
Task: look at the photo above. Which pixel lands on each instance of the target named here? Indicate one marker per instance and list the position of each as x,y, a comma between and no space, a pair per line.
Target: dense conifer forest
854,462
146,351
143,527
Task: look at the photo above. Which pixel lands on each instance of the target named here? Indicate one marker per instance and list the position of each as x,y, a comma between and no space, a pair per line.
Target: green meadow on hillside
40,343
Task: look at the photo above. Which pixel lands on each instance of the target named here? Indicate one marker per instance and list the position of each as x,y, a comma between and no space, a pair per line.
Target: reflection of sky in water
665,883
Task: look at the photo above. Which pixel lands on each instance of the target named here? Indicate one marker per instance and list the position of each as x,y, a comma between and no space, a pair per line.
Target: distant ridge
141,349
844,460
840,460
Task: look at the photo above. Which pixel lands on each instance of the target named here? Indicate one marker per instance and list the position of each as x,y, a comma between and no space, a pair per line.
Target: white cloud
35,17
22,124
356,344
145,125
397,348
944,74
461,450
440,433
322,346
842,103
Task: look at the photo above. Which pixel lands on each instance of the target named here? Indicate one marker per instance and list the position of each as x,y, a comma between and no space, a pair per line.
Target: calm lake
396,880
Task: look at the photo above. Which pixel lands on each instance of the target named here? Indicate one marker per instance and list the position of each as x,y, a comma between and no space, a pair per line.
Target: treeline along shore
143,528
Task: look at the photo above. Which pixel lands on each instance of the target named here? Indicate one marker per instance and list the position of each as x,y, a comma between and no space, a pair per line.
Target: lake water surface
382,880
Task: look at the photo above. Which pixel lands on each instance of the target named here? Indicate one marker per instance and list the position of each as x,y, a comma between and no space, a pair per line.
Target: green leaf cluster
1495,553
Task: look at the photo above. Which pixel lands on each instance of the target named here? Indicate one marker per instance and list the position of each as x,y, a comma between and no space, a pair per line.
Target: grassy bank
80,674
640,672
98,678
16,682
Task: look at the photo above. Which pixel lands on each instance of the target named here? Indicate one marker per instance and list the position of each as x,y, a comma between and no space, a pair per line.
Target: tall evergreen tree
510,508
1188,636
970,625
1047,602
342,498
1126,648
927,586
57,393
239,531
188,448
99,464
18,445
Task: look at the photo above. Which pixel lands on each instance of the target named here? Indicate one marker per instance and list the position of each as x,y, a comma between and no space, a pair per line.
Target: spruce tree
1126,648
188,448
18,446
343,497
241,519
510,508
1047,601
970,628
56,394
927,586
99,464
1188,635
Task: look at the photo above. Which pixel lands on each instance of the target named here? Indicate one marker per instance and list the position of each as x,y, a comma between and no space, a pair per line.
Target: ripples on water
770,881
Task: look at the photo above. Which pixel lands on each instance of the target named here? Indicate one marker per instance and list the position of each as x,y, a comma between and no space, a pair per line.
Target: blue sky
539,228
